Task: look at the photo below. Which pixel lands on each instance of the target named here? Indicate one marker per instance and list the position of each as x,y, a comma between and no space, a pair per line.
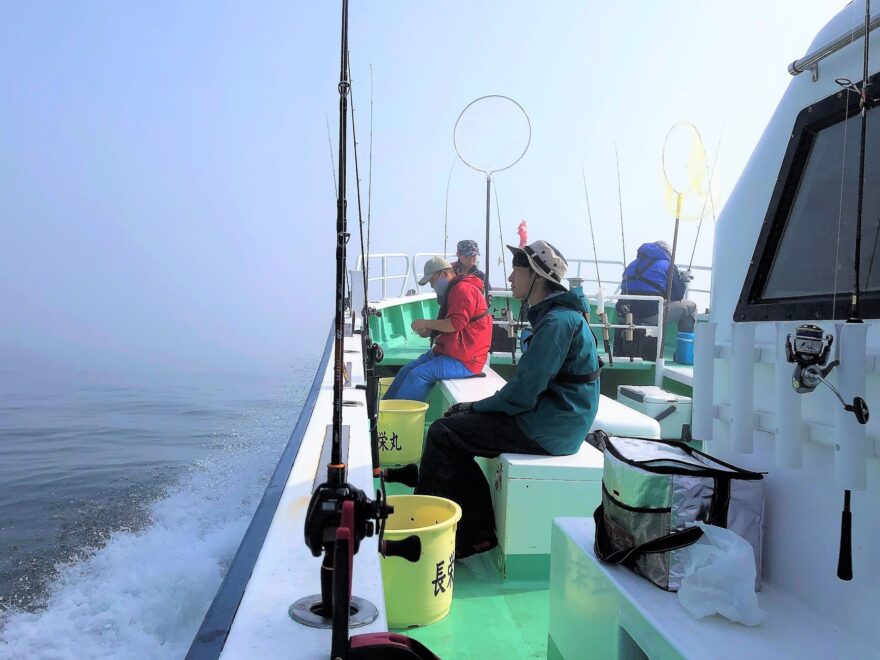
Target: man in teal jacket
547,408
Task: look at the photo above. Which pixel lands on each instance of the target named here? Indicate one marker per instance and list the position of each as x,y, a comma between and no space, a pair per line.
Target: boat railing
384,277
652,329
584,269
695,289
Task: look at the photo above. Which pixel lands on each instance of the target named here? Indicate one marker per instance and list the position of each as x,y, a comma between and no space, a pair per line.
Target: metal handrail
578,266
627,296
811,59
384,278
688,288
589,264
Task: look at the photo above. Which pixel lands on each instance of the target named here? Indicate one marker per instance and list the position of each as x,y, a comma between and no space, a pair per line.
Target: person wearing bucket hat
546,408
467,253
460,335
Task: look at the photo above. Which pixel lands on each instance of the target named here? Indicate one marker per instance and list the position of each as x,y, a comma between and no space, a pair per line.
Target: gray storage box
671,410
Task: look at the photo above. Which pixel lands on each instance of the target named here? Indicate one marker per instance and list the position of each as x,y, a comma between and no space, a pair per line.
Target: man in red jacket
461,333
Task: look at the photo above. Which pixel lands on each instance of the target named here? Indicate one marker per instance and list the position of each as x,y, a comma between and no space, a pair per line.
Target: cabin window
803,262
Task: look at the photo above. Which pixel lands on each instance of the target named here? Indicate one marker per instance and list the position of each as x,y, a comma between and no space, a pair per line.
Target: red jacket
471,340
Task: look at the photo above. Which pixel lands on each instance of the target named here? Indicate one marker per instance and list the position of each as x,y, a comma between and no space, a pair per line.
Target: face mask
440,287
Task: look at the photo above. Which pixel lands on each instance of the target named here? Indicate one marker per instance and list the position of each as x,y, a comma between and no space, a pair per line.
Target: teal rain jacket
554,414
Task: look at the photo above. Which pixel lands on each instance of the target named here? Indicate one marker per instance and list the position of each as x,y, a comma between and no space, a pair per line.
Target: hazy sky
166,195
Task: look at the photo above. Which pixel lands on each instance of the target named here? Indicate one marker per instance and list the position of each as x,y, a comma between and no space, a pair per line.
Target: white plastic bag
720,577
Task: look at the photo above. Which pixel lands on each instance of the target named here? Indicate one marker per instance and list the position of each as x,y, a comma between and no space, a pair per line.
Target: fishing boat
785,373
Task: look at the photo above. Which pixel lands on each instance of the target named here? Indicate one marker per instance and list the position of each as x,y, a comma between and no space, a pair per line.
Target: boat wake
144,593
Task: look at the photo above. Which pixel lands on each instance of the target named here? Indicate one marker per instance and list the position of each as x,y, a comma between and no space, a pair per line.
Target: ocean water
123,498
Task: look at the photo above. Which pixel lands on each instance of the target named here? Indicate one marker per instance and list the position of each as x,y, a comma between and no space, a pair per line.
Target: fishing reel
325,513
324,516
810,348
809,351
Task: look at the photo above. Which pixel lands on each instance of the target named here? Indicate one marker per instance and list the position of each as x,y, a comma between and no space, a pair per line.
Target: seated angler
648,276
546,408
460,335
467,255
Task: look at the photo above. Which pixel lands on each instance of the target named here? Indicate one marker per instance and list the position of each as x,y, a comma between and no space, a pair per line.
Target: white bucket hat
545,260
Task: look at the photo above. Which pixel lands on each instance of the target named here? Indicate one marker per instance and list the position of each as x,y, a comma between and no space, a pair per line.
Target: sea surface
123,498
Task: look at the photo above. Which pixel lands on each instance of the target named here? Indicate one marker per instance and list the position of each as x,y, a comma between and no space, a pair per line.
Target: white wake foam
144,594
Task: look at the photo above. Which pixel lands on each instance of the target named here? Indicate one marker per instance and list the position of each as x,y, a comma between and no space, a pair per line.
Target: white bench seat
528,491
603,611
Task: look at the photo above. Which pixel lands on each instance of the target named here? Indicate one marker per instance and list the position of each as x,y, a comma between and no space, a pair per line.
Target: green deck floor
490,617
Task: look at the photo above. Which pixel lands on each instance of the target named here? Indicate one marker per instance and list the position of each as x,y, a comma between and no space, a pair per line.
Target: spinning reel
809,351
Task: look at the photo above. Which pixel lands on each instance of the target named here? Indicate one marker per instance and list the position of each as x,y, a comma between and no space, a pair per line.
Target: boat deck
490,617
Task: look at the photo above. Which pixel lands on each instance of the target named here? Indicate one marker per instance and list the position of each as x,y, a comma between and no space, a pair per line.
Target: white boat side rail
651,329
585,269
689,288
384,277
579,268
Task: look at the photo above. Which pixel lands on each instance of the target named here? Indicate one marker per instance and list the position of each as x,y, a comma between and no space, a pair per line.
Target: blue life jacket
646,276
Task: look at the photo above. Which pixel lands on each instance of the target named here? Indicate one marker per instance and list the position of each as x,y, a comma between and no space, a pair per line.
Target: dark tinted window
802,266
819,237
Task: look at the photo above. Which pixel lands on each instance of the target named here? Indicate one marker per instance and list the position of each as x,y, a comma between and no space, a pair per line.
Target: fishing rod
844,558
366,257
500,231
339,514
620,205
600,302
854,316
446,209
628,333
507,314
332,162
709,199
371,352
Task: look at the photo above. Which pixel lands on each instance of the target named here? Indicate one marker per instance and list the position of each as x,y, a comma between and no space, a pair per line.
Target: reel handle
408,475
844,559
409,548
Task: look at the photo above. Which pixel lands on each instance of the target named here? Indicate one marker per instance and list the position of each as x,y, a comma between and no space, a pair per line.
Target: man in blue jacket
547,408
647,276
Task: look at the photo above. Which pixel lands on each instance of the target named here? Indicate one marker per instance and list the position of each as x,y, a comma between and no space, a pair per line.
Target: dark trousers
448,469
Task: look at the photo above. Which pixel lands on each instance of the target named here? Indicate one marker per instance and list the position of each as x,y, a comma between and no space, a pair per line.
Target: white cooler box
671,410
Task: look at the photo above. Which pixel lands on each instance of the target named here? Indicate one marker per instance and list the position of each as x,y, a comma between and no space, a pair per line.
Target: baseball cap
433,265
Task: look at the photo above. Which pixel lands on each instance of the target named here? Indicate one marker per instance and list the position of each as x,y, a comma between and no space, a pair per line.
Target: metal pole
671,272
488,224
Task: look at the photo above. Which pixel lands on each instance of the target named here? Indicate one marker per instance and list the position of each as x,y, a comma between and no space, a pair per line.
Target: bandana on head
467,248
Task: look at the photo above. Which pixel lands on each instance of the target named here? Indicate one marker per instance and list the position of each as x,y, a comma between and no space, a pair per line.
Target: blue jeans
414,381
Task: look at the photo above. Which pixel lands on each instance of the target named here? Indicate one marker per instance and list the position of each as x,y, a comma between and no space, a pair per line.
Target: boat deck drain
307,611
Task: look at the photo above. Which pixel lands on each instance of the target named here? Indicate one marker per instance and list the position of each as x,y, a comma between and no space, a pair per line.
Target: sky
166,187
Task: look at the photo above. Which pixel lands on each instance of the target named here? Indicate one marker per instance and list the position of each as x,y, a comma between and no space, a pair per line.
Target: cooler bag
652,492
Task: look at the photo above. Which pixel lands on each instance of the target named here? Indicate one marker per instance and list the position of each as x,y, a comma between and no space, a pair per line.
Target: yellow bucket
384,384
401,431
420,593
